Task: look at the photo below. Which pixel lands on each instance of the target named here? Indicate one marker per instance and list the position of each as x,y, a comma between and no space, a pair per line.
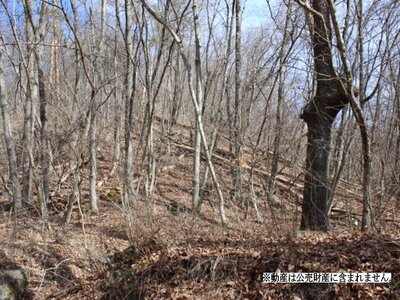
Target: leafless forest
174,150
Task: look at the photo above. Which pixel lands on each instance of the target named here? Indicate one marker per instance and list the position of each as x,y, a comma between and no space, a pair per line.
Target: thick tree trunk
314,215
319,114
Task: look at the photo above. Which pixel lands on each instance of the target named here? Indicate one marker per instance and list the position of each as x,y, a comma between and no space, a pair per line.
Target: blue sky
255,13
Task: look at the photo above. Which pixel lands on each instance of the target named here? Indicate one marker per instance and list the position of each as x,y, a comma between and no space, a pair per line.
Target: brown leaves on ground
229,268
177,255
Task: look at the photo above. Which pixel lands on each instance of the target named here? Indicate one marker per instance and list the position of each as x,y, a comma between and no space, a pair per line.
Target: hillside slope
157,249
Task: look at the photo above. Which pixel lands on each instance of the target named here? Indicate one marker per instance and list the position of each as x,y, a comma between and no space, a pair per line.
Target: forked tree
319,113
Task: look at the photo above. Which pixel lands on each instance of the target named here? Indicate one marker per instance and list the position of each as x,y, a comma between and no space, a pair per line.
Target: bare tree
129,89
283,56
351,94
196,105
8,137
319,114
238,128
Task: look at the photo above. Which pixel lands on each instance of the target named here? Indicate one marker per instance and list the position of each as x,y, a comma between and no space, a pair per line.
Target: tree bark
130,87
358,112
238,128
29,107
8,139
280,102
199,96
319,114
315,195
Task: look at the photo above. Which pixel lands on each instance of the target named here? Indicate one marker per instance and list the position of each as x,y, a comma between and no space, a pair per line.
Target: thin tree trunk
281,99
150,93
7,127
116,133
34,34
77,58
254,197
237,179
93,113
223,96
366,222
177,94
199,96
197,108
75,151
93,154
117,110
29,128
340,162
358,113
130,87
44,151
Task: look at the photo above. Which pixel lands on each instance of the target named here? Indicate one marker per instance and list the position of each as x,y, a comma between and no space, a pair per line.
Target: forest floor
157,248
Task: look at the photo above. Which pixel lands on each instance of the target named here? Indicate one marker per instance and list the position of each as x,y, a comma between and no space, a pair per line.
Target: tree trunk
367,159
29,116
357,110
93,153
319,114
238,128
12,158
199,96
343,147
314,213
280,102
93,112
223,95
44,161
130,87
34,35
